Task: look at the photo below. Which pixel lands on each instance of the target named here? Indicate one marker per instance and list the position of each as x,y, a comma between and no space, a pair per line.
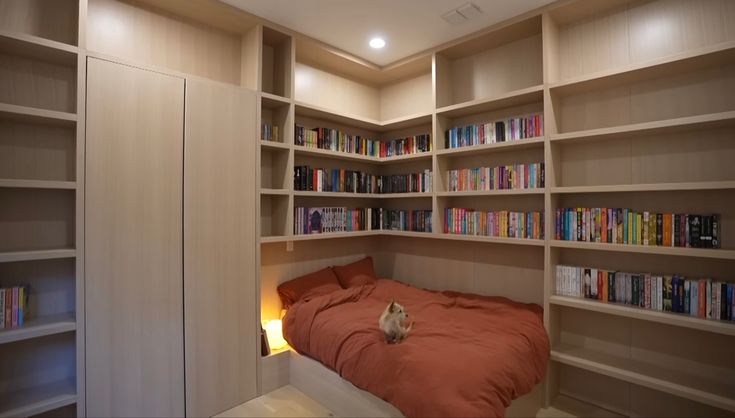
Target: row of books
511,129
504,223
705,298
626,226
516,176
335,140
320,220
350,181
13,306
268,132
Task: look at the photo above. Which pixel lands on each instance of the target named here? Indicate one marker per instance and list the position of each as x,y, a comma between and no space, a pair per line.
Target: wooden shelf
688,61
715,253
493,240
271,101
39,327
38,399
363,195
411,234
504,192
35,115
274,192
490,148
701,390
300,149
657,127
37,184
318,112
38,48
564,406
514,98
13,256
311,237
275,145
654,187
669,318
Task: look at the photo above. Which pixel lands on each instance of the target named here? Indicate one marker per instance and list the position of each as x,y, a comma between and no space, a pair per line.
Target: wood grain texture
133,242
35,83
36,219
55,20
161,39
332,91
406,97
36,152
219,248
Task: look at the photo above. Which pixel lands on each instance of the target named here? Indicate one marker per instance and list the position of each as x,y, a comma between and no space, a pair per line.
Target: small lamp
275,334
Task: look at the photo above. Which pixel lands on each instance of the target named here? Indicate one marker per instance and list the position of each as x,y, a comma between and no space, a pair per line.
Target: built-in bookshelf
634,116
40,187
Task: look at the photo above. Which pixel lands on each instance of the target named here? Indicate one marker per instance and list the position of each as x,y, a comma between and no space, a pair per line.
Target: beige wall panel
156,38
36,219
133,263
34,83
407,97
55,19
487,269
36,152
642,31
219,248
496,71
336,93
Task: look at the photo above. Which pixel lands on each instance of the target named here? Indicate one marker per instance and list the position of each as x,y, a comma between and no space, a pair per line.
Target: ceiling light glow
377,43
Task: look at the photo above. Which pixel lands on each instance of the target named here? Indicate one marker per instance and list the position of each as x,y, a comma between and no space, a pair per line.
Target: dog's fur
391,323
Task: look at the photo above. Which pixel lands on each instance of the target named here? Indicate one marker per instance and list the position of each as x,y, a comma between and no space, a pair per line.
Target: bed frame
345,400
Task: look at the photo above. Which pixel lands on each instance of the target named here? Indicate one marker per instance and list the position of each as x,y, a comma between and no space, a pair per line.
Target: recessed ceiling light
377,43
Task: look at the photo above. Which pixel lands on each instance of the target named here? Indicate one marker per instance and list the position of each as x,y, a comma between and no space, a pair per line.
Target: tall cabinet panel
133,242
219,247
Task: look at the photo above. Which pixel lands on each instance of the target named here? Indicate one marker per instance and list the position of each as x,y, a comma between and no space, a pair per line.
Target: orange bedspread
467,355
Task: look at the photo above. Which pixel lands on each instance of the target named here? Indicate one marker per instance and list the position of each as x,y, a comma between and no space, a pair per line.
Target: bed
467,355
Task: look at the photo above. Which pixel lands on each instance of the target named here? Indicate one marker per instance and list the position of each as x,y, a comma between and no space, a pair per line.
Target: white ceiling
408,26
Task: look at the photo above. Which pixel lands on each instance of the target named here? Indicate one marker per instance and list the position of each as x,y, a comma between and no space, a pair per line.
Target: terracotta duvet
467,355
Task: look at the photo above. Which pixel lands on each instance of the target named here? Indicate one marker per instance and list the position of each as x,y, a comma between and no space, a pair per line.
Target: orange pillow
357,273
319,283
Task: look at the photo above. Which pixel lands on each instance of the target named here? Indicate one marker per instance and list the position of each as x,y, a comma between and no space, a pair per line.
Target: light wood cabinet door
133,242
219,247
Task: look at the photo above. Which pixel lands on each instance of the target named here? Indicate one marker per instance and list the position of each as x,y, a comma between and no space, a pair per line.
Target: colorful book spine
318,220
503,224
627,226
517,176
335,140
268,132
307,178
703,298
14,307
512,129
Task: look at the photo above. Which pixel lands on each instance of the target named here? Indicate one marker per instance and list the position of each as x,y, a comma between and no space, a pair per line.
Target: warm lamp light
275,334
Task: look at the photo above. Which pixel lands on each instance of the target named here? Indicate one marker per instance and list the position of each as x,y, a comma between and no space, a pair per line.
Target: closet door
219,247
133,242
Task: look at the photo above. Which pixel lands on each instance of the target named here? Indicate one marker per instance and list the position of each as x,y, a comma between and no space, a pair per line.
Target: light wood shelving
669,318
722,254
39,327
37,184
38,399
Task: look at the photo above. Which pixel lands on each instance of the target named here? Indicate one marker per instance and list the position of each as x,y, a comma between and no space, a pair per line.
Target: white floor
283,402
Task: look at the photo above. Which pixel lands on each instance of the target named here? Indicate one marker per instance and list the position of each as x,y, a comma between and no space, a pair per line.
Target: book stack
350,181
335,140
402,220
512,129
341,219
504,224
405,146
13,306
705,298
517,176
268,132
626,226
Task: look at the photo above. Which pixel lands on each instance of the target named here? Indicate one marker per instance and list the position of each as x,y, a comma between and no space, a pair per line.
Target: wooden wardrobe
170,241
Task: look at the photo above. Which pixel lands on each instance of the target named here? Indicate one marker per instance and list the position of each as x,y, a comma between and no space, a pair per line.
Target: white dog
391,322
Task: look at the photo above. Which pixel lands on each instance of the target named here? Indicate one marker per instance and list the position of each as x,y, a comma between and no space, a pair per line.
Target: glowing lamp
275,334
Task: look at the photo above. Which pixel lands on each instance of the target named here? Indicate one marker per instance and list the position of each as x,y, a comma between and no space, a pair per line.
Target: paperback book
307,178
504,224
335,140
511,129
517,176
14,306
318,220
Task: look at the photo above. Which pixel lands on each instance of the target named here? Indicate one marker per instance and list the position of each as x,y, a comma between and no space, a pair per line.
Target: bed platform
345,400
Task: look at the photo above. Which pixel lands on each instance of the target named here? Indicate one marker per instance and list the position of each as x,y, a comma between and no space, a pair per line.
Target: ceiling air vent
462,14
